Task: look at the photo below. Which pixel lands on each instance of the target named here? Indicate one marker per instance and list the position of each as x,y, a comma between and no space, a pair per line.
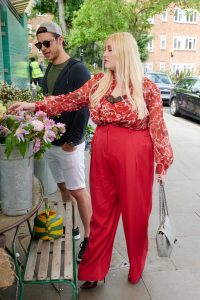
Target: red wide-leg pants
121,180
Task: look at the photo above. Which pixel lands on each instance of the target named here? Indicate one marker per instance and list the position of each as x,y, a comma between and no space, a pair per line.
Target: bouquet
19,130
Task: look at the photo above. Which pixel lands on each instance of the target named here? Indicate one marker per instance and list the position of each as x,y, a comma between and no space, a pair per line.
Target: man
36,72
66,156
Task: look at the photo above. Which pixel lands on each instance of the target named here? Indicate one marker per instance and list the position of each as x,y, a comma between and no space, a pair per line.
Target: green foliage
89,136
182,75
92,53
49,6
9,94
96,19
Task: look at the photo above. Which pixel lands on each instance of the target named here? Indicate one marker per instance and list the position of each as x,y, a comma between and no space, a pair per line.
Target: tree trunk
61,16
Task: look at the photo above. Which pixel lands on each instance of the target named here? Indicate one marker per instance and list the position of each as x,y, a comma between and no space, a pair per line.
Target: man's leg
67,196
84,206
75,183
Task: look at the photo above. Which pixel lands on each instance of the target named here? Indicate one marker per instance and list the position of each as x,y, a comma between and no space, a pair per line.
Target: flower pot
16,181
43,173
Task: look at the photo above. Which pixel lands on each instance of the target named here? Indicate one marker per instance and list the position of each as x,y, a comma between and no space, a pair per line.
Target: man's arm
79,76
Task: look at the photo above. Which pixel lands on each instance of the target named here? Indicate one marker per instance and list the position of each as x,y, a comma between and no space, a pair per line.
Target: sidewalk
175,278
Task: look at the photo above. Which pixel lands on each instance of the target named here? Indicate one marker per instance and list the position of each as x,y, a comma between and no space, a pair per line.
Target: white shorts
68,167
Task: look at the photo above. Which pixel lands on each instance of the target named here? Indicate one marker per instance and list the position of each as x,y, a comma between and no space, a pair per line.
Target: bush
10,94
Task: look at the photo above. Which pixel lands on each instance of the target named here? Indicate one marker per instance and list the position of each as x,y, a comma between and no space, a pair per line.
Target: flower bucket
16,181
43,173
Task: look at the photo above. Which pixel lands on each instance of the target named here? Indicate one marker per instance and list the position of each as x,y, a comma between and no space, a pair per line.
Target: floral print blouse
119,114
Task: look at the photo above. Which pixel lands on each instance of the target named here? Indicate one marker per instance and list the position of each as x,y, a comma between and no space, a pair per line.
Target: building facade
175,44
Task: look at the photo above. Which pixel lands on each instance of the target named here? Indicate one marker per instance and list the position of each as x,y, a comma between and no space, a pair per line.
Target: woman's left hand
160,178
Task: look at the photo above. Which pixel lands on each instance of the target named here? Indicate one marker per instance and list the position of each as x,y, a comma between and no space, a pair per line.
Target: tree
63,10
61,16
96,19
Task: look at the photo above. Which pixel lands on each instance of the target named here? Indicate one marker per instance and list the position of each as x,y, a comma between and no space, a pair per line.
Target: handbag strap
163,208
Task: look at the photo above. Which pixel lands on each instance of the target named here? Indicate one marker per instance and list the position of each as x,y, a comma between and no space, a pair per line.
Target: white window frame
29,28
148,67
150,46
186,16
162,67
151,20
30,47
163,41
164,16
183,67
184,43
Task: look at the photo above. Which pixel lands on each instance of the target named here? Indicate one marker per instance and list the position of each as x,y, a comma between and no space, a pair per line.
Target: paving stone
174,285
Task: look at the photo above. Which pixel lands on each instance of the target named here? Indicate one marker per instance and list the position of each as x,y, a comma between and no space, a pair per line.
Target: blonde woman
130,136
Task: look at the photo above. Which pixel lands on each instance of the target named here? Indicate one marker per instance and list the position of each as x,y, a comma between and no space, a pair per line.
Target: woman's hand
160,178
17,106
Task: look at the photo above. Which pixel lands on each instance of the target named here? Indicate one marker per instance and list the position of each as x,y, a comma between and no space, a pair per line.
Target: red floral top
119,114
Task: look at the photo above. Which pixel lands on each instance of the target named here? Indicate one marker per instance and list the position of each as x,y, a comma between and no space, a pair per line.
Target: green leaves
96,19
22,148
9,145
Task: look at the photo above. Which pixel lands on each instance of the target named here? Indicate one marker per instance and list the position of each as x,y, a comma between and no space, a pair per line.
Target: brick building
33,25
176,42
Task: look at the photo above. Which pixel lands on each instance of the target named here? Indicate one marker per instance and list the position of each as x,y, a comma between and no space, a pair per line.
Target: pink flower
4,131
21,132
40,114
61,126
49,136
37,145
38,125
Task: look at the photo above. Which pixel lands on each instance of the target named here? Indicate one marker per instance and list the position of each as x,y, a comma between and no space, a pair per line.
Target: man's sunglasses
46,44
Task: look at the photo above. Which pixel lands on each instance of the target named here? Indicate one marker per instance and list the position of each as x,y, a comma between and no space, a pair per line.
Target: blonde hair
129,71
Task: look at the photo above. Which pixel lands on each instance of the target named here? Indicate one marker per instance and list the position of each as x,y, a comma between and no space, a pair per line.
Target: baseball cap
49,27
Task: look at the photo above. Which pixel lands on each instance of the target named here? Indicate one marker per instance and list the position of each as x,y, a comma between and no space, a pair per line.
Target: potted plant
22,137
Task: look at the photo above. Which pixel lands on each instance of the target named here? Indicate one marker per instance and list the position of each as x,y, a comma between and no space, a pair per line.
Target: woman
130,135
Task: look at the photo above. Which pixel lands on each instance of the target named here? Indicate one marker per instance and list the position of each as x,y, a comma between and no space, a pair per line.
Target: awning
23,6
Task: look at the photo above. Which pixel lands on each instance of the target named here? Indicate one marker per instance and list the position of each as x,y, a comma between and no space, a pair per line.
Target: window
162,67
41,15
186,83
185,16
163,42
164,16
29,28
196,86
29,47
150,46
184,43
148,67
183,67
151,20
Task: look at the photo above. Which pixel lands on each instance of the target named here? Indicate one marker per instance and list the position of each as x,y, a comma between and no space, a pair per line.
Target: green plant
88,136
9,94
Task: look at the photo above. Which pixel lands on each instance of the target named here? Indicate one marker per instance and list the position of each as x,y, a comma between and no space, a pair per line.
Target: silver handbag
166,233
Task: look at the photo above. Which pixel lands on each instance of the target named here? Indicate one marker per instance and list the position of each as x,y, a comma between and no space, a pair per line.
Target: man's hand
68,148
18,106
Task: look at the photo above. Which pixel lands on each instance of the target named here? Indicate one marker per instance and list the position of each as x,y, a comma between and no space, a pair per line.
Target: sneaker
83,246
76,233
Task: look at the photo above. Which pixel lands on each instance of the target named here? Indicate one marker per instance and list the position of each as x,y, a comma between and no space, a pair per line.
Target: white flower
38,125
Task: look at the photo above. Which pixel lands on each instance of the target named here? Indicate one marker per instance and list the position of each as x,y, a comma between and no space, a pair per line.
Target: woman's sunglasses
46,44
